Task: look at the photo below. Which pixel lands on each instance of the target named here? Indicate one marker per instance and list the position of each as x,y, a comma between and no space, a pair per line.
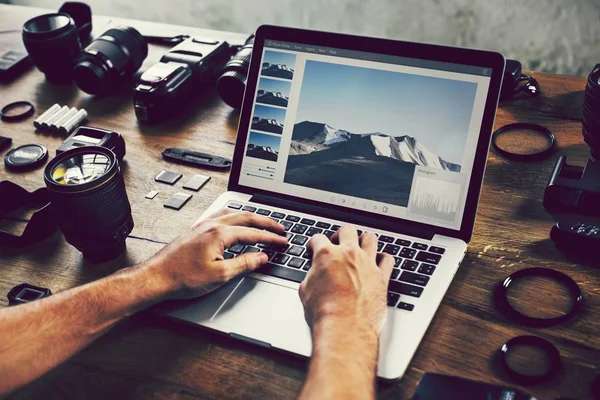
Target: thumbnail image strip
268,119
278,64
273,92
263,146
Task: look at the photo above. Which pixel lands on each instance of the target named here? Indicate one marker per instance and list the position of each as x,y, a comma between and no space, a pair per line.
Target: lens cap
26,157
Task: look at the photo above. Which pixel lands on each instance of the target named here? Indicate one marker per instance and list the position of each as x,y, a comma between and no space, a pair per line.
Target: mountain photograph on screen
361,132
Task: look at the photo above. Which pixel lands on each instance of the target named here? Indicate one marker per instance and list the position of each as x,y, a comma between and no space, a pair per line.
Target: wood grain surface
150,358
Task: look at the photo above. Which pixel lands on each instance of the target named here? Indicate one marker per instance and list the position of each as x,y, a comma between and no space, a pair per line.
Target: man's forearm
44,333
343,362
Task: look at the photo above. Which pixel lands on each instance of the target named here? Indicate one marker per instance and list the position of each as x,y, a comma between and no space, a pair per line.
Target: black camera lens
109,59
88,195
52,42
591,112
232,83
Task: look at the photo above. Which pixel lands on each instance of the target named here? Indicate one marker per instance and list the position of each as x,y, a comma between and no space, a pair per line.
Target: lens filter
538,297
529,359
523,141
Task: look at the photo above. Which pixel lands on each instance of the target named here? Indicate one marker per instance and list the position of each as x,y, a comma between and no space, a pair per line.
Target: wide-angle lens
88,192
53,44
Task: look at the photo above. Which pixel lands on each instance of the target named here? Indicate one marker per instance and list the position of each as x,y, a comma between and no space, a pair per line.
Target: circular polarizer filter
530,359
523,141
538,297
17,111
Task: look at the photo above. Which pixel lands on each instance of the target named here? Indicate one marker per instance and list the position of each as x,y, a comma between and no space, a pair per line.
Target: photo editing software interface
389,135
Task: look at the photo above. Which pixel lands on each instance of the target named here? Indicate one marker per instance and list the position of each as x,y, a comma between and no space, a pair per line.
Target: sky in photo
434,111
270,113
274,85
260,139
277,57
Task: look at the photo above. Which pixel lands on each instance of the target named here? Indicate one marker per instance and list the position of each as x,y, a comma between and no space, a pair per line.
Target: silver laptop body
389,136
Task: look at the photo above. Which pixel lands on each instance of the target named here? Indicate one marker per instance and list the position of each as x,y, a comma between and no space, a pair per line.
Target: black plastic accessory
26,157
5,143
574,189
195,158
515,81
525,126
580,239
92,136
9,112
503,304
548,348
168,40
26,293
14,60
41,224
437,386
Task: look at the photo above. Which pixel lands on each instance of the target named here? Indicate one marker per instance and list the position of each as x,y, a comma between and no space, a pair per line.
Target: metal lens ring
524,126
545,346
503,304
9,114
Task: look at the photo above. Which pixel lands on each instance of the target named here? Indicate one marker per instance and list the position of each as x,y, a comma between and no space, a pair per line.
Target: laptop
389,136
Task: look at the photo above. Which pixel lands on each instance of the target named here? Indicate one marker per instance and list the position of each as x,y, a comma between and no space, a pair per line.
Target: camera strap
41,224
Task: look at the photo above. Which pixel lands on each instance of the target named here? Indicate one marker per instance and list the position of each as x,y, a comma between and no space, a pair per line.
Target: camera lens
88,194
109,59
53,44
591,112
232,83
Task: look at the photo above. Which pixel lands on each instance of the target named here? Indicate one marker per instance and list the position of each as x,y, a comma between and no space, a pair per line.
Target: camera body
167,86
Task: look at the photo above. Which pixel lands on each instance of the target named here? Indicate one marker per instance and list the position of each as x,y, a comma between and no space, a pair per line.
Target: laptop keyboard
414,265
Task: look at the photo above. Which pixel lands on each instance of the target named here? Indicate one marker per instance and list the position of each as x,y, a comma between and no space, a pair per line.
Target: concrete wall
561,36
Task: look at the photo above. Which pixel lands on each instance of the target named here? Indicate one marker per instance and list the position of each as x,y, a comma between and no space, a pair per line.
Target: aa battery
49,113
73,122
46,124
54,126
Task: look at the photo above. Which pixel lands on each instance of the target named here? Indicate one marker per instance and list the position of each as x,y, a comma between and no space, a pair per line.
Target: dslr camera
166,87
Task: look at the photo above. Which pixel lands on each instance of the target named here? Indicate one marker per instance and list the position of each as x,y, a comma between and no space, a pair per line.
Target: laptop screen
389,135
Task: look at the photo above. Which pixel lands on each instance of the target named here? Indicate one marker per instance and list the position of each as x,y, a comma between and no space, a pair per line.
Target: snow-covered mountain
309,137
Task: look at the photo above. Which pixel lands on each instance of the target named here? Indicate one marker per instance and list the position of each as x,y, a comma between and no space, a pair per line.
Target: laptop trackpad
266,312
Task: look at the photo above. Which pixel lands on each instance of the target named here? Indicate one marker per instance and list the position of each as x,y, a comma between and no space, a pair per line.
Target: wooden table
149,358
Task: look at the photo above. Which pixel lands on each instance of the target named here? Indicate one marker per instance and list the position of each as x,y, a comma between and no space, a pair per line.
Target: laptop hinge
398,227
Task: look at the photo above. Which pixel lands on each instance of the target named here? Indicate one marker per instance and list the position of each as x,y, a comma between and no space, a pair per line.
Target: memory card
167,177
178,200
151,194
196,182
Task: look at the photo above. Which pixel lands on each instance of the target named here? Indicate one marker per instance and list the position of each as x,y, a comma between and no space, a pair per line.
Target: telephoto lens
591,112
110,59
88,195
52,42
232,82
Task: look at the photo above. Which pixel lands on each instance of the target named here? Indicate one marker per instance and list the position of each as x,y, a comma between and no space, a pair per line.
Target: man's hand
344,298
62,324
193,264
348,280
